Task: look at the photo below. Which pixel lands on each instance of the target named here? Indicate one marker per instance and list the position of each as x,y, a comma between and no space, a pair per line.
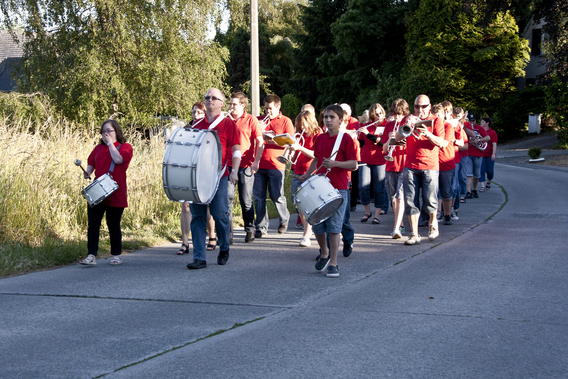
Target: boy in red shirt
337,168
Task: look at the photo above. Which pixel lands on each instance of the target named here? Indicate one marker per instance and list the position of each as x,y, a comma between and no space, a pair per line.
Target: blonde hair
307,120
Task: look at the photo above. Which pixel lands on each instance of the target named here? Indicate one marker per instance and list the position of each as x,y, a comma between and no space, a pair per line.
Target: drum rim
316,210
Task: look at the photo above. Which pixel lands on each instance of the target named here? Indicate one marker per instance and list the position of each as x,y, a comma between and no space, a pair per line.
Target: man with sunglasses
421,168
231,152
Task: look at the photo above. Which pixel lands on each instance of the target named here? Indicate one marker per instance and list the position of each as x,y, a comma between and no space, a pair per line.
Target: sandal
488,185
365,217
211,246
116,260
376,221
184,249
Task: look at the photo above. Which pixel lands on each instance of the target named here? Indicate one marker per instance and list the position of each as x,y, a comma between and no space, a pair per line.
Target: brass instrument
390,142
479,145
410,128
290,155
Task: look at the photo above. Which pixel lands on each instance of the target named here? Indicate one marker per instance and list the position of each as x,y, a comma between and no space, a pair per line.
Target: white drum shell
99,189
317,199
192,165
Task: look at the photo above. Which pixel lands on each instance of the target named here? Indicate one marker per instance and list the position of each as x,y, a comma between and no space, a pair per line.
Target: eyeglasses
108,131
213,98
423,106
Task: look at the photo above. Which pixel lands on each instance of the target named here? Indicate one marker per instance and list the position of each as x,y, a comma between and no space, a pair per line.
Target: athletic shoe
305,241
482,189
347,249
447,220
91,260
322,263
440,216
197,264
282,228
259,234
249,237
332,272
402,230
468,196
414,239
475,195
396,234
223,257
433,233
454,215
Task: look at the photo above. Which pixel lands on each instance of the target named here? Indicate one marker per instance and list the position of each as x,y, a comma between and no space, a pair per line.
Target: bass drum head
325,211
207,170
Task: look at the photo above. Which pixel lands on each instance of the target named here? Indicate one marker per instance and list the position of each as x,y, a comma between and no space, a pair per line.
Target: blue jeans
487,166
416,180
219,209
463,176
273,181
376,174
245,185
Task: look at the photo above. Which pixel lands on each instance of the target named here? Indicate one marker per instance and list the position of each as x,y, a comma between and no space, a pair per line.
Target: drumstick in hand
78,163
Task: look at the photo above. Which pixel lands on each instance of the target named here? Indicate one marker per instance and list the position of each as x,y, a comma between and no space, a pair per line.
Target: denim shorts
334,224
296,183
393,183
445,179
474,166
416,180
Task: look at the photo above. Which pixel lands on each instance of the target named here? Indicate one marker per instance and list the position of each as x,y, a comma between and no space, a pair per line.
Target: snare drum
317,199
99,189
192,165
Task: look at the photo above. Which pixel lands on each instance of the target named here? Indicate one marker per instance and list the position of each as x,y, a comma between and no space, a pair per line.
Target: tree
101,57
451,56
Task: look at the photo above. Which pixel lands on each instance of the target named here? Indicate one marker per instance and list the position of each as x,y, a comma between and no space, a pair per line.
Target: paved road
488,299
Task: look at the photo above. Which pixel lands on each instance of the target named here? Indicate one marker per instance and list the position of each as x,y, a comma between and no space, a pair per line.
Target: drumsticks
78,163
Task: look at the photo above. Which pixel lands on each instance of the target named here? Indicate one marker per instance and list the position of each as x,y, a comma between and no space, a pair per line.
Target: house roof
10,54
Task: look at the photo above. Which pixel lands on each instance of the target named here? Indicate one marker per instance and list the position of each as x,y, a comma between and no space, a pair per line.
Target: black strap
111,169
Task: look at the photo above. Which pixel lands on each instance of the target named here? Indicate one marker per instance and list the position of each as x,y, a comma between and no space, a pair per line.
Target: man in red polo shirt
421,168
270,175
252,146
230,139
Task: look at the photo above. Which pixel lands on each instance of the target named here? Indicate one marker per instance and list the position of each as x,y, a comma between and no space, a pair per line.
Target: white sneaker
433,233
454,215
396,234
305,242
91,260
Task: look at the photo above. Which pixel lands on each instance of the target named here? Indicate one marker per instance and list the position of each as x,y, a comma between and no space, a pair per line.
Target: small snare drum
99,189
317,199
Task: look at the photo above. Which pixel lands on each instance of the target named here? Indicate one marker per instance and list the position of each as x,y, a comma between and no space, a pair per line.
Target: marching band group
410,159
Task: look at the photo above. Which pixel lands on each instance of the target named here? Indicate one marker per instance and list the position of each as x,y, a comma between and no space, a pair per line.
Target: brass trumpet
290,155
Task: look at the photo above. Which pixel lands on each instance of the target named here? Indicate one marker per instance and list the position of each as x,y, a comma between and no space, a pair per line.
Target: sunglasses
212,98
423,106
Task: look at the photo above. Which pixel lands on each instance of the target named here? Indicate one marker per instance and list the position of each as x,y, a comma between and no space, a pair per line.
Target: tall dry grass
42,212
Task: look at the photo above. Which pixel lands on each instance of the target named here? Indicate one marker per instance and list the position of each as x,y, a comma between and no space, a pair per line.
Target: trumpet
290,155
390,143
410,127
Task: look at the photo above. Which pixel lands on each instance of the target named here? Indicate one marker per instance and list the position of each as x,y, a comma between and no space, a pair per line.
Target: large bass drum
192,165
317,199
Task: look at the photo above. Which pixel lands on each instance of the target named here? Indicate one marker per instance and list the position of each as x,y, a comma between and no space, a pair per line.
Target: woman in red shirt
112,149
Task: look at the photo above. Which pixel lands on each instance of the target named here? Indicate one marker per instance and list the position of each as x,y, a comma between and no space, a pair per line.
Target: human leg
364,176
95,216
245,185
276,192
378,179
113,220
219,212
259,192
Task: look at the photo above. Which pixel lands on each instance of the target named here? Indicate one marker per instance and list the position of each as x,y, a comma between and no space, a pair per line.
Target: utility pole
254,80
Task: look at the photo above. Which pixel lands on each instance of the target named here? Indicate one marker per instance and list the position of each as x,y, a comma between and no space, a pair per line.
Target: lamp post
254,80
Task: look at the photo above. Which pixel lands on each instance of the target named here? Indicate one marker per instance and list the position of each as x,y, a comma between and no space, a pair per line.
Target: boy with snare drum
335,156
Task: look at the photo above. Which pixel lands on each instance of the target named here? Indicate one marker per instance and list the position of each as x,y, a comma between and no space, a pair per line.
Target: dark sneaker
447,220
353,208
249,237
475,195
347,249
455,215
282,228
468,195
197,264
332,272
319,256
223,257
259,234
322,263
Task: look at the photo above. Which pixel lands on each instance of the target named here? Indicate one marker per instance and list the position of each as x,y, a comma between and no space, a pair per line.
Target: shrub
534,152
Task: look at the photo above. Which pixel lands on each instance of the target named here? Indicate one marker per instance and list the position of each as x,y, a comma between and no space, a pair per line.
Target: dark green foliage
534,152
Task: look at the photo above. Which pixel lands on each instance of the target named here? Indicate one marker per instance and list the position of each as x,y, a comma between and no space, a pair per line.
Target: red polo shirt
338,177
279,125
370,152
303,162
399,152
421,154
448,154
228,135
474,151
101,160
489,151
249,129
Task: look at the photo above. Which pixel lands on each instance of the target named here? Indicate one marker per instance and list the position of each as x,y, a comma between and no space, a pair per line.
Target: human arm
236,162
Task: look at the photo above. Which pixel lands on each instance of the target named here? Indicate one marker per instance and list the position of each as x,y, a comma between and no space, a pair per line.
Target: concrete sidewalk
487,299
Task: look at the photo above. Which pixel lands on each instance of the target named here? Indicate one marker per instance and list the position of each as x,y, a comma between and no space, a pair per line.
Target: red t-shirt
279,125
250,130
458,135
474,151
304,161
101,160
494,139
370,152
339,177
353,124
399,152
448,154
464,153
229,136
421,154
